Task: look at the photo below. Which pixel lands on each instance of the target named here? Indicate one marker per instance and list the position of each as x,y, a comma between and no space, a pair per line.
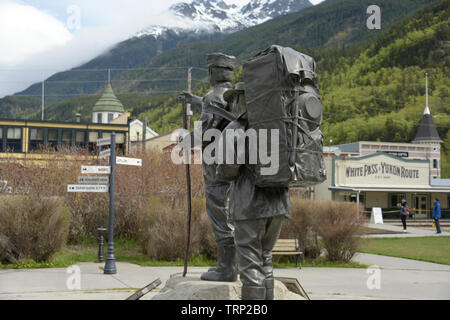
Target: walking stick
188,182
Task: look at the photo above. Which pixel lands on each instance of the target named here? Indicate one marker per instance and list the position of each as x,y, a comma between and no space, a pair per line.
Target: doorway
421,204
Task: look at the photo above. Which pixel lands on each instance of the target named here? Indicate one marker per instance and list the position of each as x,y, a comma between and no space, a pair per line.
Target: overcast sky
41,37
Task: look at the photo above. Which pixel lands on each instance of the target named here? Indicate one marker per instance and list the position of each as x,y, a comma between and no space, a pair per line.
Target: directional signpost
110,263
96,169
129,161
86,188
105,153
103,142
100,184
93,180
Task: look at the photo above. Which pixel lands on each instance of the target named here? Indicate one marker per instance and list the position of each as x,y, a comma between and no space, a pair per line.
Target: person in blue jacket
437,214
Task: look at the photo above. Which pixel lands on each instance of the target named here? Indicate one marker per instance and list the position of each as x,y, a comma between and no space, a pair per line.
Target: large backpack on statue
282,92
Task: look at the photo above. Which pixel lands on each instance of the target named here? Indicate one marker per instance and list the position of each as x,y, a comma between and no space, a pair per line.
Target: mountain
333,23
199,20
218,16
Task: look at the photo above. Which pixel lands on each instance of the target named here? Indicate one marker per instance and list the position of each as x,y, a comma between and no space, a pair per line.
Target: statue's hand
186,96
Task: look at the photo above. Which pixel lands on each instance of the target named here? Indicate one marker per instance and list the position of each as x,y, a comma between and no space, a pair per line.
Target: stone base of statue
192,288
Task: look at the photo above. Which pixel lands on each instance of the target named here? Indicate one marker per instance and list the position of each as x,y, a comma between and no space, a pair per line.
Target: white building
380,174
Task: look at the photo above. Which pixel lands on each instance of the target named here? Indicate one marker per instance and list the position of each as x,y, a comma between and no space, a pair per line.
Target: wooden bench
284,247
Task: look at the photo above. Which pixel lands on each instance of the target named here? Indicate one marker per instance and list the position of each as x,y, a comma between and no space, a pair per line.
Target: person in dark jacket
404,213
437,214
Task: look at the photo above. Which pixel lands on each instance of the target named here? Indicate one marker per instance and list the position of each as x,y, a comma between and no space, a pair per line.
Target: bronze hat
221,60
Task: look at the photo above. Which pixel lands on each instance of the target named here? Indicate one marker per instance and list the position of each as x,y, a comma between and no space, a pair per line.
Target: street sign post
110,263
96,169
129,161
93,180
87,188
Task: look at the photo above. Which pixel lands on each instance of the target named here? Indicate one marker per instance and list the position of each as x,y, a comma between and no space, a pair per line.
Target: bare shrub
300,227
337,224
31,227
164,232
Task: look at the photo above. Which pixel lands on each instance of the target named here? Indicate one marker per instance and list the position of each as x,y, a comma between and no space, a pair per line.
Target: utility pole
426,90
188,106
144,133
43,97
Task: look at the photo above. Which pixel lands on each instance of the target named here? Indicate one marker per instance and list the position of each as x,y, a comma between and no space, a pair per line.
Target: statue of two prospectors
275,113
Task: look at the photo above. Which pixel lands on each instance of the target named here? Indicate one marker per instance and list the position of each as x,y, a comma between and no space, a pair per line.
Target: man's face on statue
218,75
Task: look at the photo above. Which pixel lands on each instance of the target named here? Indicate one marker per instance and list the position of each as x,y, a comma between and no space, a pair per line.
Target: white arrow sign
105,153
103,142
93,180
129,161
86,188
96,169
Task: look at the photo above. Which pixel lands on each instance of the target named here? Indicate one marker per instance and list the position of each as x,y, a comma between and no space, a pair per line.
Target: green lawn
130,251
431,249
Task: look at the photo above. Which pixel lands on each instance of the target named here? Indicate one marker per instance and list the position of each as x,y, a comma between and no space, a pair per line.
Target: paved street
400,279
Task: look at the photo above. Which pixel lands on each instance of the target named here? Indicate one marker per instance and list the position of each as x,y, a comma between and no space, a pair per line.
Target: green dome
109,102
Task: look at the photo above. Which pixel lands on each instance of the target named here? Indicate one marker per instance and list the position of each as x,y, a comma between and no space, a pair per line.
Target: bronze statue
280,93
220,74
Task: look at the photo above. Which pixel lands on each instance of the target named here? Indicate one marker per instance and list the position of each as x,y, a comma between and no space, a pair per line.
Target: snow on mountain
218,16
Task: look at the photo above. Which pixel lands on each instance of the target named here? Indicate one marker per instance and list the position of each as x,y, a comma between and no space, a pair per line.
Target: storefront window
36,139
80,139
14,140
66,138
397,199
93,137
1,139
52,138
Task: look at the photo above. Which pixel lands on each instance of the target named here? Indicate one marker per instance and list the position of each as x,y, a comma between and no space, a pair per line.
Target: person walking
437,214
404,213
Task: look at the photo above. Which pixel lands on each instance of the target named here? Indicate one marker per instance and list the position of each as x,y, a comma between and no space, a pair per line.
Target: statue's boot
269,285
226,270
253,293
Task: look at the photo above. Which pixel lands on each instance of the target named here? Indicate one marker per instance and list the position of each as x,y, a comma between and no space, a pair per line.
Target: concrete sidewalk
411,231
400,279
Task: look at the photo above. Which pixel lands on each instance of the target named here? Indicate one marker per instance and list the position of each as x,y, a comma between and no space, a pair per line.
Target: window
36,139
14,140
1,139
110,117
396,199
93,137
435,164
80,139
99,118
66,138
52,138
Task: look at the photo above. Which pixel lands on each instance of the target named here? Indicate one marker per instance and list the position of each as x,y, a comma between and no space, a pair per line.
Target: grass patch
320,263
130,250
125,250
429,249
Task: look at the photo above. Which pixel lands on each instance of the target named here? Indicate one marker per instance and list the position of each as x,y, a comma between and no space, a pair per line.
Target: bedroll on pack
281,92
